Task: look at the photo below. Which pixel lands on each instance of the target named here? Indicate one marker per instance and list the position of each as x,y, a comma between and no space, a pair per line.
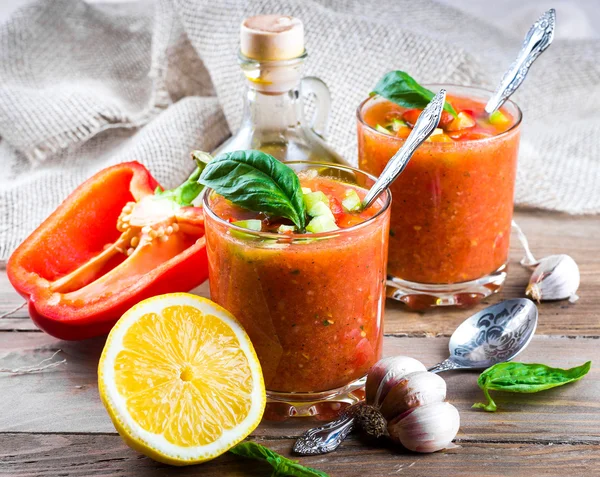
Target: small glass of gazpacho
453,204
311,300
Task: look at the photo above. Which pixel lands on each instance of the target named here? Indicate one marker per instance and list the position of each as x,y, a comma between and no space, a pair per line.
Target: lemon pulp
180,379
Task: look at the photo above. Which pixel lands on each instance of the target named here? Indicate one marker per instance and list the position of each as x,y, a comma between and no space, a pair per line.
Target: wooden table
53,423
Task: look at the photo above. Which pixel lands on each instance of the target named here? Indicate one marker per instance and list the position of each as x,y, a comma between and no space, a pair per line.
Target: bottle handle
320,120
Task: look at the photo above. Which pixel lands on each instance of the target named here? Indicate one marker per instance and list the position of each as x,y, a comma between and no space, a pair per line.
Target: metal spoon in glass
426,124
538,38
493,335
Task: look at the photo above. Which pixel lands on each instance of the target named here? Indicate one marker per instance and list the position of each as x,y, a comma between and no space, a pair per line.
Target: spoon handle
427,122
328,437
446,365
538,38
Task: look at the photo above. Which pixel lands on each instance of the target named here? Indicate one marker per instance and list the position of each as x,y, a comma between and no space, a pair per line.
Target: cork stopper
272,37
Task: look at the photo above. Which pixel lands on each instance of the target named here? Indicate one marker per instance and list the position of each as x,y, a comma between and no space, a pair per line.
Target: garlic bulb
427,428
414,389
554,278
385,374
396,389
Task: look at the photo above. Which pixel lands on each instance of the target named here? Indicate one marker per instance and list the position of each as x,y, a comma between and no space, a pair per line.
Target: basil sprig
525,378
258,182
400,88
282,466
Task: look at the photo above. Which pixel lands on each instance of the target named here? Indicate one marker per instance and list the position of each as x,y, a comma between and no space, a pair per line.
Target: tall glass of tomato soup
453,204
312,303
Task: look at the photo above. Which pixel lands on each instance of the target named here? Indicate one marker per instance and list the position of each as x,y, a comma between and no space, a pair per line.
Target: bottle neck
274,77
273,99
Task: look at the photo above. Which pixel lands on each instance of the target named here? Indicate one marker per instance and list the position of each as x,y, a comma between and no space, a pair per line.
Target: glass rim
285,238
445,144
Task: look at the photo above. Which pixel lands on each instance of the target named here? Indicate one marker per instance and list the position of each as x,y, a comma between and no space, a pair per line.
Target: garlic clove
427,428
554,278
414,389
385,374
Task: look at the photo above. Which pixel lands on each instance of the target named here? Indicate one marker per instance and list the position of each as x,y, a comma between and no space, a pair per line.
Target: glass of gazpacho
451,219
312,303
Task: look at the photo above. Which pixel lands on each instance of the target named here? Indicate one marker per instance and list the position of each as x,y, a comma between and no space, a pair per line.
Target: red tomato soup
453,203
312,304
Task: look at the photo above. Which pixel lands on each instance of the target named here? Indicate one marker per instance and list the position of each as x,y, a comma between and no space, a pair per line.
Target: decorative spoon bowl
493,335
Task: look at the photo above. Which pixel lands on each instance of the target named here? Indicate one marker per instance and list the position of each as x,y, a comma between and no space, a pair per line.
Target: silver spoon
538,38
493,335
426,124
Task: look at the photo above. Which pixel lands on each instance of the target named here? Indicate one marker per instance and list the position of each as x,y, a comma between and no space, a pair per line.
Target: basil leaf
400,88
282,466
257,181
525,378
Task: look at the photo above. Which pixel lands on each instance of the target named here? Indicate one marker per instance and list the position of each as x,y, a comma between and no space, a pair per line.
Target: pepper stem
187,192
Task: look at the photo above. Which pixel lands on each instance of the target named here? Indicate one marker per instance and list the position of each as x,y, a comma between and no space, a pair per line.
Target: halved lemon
180,379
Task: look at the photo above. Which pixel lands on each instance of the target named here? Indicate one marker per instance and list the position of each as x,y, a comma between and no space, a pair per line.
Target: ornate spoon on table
493,335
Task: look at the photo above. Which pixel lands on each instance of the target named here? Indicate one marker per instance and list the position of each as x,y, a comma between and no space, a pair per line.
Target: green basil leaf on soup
257,181
400,88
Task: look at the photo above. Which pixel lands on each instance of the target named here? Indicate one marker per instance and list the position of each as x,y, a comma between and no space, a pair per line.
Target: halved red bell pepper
116,240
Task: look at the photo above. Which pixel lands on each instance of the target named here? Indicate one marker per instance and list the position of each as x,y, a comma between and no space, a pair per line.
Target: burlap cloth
86,86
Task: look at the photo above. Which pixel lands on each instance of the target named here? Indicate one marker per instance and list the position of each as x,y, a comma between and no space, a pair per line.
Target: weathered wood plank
10,299
17,324
79,455
548,234
65,399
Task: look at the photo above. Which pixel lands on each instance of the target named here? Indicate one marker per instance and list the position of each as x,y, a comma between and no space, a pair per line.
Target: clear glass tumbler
453,204
312,304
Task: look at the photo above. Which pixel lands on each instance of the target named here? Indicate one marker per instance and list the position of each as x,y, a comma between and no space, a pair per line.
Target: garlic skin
414,389
427,428
554,278
385,374
406,402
